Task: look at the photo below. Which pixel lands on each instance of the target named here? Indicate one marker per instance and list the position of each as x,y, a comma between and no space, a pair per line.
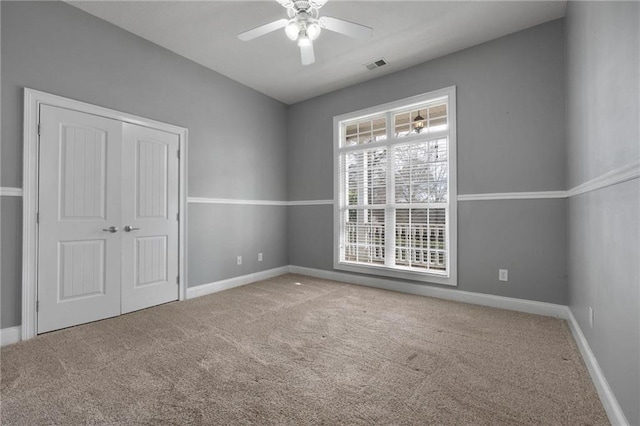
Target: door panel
81,269
82,173
150,206
151,179
150,261
79,196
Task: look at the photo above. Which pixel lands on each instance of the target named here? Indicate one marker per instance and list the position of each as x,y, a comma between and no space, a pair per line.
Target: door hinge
178,217
38,217
38,129
178,153
178,279
37,306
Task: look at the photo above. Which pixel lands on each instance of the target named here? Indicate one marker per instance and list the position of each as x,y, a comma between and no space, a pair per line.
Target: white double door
108,218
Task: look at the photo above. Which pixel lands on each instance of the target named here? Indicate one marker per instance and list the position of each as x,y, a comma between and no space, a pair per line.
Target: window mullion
390,214
390,127
361,215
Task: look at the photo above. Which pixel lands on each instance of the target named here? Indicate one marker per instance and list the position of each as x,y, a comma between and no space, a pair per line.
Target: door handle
130,228
112,229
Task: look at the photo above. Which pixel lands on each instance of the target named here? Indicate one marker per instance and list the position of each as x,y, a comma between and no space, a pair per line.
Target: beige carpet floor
298,350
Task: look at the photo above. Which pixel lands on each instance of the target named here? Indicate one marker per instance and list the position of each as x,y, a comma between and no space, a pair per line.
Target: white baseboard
609,401
521,305
217,286
10,335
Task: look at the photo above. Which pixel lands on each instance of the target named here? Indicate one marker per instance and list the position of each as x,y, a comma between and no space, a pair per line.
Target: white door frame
32,101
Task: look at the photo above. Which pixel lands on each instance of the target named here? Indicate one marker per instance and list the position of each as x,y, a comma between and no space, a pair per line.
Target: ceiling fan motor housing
300,5
303,23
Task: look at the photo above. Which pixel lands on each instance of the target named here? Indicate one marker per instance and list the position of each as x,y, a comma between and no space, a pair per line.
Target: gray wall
56,48
11,249
511,132
255,229
603,116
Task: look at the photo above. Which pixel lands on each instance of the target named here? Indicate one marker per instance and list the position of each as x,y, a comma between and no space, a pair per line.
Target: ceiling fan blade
263,29
306,52
318,3
347,28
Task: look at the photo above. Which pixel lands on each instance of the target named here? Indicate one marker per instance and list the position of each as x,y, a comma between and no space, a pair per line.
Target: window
395,189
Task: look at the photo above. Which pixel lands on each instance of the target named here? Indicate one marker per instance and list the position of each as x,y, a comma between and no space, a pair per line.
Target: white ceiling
406,33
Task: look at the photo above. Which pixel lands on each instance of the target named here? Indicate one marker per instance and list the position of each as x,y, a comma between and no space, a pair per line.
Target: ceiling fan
304,26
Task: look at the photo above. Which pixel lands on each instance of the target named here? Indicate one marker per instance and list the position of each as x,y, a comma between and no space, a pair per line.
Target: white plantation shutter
393,189
421,183
364,203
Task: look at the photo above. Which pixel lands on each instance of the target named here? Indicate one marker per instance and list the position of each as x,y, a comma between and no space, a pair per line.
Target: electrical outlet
590,317
259,257
239,260
503,274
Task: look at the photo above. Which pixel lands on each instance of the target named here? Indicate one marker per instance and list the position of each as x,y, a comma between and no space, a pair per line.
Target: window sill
425,277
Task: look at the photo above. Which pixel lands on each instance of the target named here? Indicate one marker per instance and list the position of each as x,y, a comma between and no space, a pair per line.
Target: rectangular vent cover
376,64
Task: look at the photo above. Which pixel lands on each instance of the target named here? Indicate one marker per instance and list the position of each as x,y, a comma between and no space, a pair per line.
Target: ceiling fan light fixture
313,30
292,30
304,40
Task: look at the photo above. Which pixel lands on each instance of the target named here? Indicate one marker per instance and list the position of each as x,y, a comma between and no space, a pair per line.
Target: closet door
79,236
149,217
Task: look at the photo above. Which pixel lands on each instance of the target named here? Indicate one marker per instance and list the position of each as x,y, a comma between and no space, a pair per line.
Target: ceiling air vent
376,64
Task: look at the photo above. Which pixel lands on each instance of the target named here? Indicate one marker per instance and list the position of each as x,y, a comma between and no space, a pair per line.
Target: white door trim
32,101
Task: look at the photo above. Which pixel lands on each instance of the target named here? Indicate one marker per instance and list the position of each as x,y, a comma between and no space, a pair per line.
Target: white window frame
451,276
